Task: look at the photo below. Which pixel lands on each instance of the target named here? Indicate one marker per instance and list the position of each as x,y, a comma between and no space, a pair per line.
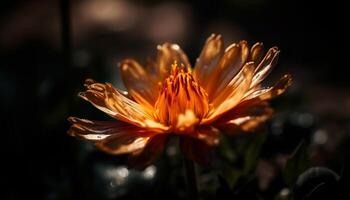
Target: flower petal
243,125
141,86
256,53
125,141
231,94
207,134
250,124
265,66
230,64
266,94
112,137
108,99
208,59
95,130
253,110
246,109
168,54
147,155
245,117
219,76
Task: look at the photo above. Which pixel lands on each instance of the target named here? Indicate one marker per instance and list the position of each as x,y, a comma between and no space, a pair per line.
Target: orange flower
221,94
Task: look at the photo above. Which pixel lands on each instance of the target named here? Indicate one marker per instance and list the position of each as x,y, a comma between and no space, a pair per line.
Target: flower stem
191,179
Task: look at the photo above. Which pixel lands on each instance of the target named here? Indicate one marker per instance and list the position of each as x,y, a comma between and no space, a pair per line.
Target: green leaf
252,153
242,156
232,176
297,164
226,152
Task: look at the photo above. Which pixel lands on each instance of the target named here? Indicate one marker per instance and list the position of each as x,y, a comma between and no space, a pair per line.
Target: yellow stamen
181,97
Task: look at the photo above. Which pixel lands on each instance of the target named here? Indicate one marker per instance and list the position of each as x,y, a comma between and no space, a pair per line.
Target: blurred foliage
237,180
241,156
297,164
318,183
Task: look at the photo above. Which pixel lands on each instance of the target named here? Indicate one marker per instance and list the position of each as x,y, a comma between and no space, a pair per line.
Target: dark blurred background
39,86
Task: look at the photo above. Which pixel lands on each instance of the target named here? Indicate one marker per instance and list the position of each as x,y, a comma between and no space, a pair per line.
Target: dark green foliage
296,164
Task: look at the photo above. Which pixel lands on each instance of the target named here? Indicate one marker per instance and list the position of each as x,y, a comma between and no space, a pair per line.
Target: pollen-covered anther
182,102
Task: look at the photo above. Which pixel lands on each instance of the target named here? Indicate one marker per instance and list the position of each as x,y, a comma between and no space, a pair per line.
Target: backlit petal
167,54
108,99
113,137
256,53
243,125
145,156
265,66
207,134
126,140
230,64
266,94
245,117
95,130
246,109
253,110
141,86
208,59
231,95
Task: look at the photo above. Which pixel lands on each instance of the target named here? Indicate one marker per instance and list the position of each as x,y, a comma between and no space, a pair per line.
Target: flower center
182,102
